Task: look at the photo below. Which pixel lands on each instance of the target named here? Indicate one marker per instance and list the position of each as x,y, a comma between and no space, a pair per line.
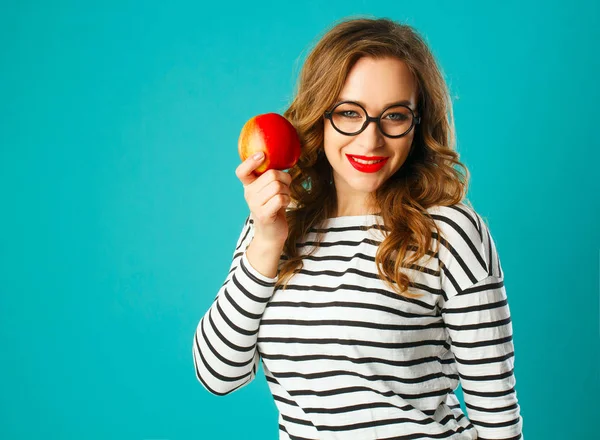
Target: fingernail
258,155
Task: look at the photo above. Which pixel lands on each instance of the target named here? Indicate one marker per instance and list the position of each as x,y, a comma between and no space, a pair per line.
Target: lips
367,157
367,168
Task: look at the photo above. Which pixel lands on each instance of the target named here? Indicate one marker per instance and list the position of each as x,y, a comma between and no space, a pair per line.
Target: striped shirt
345,357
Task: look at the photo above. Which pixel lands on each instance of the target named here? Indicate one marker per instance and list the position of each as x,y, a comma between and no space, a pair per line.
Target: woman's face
375,84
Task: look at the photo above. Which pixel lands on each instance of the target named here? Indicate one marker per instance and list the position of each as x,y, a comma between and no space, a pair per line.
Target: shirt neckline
347,220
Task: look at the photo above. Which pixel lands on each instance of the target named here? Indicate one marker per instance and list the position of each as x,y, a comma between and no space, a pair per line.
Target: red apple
274,135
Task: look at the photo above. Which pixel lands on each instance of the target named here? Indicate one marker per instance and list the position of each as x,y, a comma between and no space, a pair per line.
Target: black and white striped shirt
347,358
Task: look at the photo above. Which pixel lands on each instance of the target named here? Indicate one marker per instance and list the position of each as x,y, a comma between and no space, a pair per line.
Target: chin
366,185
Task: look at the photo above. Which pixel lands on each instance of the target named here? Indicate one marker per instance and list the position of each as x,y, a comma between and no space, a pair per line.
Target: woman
361,278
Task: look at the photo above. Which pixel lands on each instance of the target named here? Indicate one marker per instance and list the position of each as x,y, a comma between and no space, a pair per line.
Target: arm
476,314
224,346
479,324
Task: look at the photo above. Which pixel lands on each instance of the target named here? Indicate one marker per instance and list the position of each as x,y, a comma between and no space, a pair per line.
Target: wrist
267,246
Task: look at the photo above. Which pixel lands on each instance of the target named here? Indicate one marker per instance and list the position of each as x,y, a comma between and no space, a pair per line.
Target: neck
348,202
351,208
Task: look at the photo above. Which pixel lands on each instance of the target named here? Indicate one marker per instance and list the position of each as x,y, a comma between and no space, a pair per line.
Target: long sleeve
224,346
479,324
476,313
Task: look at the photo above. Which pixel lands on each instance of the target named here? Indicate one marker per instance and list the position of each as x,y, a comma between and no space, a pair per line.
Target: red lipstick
367,168
367,157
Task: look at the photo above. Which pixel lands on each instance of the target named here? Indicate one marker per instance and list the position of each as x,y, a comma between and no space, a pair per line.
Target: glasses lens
396,120
348,118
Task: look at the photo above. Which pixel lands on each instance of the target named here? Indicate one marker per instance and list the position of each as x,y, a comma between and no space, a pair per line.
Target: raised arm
224,346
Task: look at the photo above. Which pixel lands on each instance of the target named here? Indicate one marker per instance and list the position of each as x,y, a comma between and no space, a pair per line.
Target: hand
267,196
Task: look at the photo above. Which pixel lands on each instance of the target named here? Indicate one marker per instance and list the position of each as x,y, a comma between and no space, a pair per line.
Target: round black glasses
350,118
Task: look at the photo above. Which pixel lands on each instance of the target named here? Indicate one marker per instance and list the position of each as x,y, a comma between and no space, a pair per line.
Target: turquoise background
121,209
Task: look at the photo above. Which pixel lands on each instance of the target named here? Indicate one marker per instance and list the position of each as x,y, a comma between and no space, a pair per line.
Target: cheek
404,145
332,140
326,136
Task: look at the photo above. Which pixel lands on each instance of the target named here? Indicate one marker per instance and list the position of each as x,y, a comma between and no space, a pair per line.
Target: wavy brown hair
427,178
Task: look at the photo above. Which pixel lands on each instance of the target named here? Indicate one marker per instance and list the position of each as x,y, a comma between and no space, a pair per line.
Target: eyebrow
403,102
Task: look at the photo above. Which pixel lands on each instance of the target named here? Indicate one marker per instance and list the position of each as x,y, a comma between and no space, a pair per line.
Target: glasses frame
415,119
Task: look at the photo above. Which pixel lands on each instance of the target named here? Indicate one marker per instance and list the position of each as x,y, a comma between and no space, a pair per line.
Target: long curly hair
427,178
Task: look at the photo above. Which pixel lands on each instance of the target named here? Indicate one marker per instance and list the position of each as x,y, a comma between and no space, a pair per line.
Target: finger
285,177
274,205
272,189
257,198
271,176
244,171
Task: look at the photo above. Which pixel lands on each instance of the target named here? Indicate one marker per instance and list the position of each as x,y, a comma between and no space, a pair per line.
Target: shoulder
459,221
467,251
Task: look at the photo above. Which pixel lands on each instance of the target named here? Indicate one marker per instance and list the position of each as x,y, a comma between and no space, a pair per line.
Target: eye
396,116
348,114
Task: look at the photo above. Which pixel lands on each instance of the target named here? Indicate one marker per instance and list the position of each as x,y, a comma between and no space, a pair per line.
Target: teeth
366,162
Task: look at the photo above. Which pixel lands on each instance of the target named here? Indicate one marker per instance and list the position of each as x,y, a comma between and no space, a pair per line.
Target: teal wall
120,206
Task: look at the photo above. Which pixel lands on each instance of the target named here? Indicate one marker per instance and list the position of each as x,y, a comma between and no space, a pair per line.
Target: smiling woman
352,133
362,280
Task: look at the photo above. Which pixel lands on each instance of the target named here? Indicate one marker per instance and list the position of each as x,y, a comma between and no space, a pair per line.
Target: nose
371,137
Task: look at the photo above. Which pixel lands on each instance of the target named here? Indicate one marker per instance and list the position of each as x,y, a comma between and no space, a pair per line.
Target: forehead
378,82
